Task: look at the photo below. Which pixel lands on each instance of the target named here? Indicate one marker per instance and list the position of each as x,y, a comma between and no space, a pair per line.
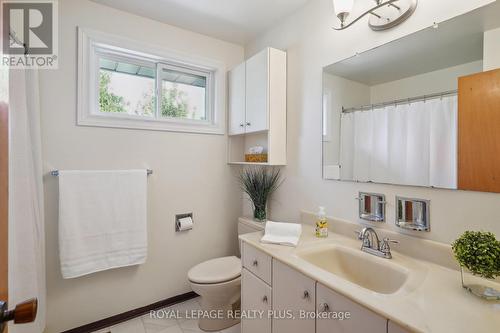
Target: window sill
149,124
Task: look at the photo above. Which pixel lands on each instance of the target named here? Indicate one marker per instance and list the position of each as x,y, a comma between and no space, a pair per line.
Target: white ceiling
236,21
455,42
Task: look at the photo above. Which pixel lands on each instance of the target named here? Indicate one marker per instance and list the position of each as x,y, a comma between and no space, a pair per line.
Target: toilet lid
216,270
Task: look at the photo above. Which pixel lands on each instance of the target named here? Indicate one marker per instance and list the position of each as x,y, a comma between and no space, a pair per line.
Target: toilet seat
215,271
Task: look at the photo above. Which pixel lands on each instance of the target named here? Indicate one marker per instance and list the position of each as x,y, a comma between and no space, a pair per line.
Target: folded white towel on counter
282,233
102,220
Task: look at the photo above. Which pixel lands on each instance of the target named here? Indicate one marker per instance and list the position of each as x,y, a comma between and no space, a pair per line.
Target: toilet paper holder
178,217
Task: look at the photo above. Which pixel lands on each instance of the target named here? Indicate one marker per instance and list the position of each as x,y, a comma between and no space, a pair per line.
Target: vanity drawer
257,262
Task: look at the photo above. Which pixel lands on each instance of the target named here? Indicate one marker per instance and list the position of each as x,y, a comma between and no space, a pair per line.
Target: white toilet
218,282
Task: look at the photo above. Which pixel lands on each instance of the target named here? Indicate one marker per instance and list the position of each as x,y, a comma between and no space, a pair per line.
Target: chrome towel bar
56,172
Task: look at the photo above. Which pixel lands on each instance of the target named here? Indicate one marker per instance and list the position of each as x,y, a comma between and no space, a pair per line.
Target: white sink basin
368,271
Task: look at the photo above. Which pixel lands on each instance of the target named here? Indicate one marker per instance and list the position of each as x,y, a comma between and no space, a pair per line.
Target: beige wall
428,83
190,175
311,44
492,49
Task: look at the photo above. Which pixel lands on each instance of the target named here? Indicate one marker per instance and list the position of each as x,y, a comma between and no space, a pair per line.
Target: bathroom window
124,88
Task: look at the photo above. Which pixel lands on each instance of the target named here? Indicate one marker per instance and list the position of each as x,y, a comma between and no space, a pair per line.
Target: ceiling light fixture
386,14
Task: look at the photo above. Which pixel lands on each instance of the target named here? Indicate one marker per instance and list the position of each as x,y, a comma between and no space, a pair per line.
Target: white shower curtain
26,216
408,144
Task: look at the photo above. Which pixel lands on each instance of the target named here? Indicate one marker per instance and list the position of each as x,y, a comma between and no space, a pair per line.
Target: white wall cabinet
257,107
257,90
293,292
256,296
237,100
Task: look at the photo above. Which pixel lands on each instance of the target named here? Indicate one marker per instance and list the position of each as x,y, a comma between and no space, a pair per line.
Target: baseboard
125,316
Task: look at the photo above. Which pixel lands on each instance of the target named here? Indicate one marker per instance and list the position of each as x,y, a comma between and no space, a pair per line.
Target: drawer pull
264,299
306,295
323,307
255,263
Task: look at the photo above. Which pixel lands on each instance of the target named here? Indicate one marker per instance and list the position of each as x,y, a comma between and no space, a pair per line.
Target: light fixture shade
343,7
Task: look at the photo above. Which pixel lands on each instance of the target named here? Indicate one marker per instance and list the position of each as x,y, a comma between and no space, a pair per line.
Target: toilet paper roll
184,224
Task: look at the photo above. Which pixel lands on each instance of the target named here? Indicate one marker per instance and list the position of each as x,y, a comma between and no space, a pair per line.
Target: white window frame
92,45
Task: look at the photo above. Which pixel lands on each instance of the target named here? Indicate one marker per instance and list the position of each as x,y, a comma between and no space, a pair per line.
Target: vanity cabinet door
237,100
392,327
293,292
256,297
257,89
361,319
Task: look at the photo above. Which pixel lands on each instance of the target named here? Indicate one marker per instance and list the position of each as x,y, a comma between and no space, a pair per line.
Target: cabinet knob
241,125
248,123
323,307
305,295
264,299
255,263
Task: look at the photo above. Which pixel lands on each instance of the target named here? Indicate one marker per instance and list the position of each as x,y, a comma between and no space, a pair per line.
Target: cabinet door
237,100
392,327
329,303
256,297
257,89
293,293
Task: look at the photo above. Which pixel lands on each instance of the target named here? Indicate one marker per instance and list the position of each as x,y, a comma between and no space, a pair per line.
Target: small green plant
259,183
479,252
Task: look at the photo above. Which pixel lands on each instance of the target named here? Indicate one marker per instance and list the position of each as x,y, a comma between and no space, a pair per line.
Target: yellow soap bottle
322,224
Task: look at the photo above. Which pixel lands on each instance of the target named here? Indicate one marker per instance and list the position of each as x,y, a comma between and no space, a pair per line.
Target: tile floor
146,324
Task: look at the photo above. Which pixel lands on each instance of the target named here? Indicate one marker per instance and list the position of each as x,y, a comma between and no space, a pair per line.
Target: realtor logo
30,31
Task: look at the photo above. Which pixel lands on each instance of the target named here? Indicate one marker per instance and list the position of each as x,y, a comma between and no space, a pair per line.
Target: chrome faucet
372,244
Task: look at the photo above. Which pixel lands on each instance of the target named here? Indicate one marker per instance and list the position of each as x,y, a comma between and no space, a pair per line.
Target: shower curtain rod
400,101
56,172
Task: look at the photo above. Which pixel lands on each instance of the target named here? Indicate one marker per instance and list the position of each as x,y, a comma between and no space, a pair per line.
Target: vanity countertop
432,300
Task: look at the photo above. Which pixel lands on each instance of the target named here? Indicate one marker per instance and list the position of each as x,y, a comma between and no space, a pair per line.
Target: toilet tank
246,225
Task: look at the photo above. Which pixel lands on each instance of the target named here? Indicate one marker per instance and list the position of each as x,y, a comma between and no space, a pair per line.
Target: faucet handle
359,233
388,240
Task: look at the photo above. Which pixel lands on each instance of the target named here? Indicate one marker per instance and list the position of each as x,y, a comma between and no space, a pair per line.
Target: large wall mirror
423,110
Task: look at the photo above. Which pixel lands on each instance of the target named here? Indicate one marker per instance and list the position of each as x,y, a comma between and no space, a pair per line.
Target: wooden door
294,298
331,304
479,132
237,100
4,197
257,90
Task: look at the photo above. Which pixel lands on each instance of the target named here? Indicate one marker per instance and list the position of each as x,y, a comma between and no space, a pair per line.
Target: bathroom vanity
330,285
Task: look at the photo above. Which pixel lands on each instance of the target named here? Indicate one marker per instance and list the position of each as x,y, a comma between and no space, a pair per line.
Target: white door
333,305
237,100
256,297
257,89
293,295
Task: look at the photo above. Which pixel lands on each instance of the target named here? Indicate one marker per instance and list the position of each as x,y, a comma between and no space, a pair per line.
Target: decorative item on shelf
259,183
385,14
478,254
256,155
256,158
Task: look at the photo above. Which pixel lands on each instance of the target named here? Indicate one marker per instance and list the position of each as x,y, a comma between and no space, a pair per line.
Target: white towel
102,220
282,233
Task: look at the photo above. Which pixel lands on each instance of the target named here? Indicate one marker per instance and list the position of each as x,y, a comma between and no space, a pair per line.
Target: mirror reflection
391,114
